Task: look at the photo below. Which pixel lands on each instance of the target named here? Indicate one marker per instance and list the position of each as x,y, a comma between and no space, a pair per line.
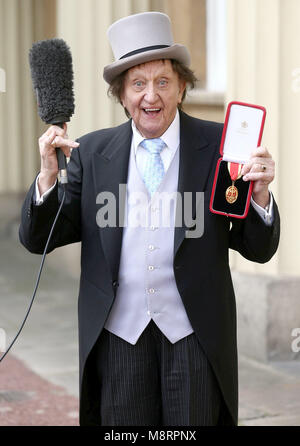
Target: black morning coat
201,265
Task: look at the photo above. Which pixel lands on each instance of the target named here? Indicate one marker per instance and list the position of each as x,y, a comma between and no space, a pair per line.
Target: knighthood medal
235,172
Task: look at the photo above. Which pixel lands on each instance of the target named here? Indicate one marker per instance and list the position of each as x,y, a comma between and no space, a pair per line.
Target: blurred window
201,26
216,45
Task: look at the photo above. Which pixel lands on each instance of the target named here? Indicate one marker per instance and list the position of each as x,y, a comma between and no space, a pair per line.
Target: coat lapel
195,164
110,169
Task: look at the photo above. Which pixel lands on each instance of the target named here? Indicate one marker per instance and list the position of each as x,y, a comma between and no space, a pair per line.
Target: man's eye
138,84
163,82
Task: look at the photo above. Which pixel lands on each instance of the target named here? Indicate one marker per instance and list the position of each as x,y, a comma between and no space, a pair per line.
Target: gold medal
235,172
231,194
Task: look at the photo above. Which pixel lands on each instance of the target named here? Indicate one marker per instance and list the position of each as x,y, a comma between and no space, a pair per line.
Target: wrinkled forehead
154,67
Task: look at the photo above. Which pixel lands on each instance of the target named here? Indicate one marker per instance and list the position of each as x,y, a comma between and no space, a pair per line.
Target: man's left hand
261,170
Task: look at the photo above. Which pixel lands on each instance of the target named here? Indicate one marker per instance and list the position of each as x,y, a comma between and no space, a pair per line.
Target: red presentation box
242,132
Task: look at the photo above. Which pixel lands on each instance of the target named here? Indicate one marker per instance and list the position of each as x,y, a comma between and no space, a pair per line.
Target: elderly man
157,317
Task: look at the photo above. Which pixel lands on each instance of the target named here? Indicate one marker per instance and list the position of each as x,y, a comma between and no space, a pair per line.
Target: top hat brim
176,51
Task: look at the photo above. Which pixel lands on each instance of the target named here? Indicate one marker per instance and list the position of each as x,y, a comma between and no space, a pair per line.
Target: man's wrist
262,198
45,182
266,213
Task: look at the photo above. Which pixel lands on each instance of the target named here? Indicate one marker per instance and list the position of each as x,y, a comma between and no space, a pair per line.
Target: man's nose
150,94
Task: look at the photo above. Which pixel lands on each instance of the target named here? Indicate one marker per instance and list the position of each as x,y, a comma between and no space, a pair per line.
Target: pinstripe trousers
155,382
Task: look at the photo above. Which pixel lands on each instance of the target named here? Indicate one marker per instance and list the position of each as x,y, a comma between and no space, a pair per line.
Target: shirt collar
171,137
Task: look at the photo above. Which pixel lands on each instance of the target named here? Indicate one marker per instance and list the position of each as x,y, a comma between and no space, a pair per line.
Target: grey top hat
140,38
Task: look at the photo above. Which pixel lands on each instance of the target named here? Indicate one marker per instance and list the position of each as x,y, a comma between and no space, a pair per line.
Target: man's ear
182,87
122,100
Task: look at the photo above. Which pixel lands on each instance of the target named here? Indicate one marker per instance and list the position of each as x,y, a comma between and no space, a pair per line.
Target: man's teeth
152,109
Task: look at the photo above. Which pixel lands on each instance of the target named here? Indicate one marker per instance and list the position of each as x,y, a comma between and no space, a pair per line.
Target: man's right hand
52,138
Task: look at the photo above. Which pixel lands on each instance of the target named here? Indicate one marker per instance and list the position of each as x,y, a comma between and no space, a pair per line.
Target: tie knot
154,145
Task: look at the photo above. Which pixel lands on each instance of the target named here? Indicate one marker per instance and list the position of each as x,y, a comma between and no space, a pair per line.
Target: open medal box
242,133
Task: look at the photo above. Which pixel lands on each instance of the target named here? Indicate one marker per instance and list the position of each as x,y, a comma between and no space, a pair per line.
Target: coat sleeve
37,220
253,239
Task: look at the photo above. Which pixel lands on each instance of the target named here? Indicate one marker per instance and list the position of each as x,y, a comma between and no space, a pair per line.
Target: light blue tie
154,169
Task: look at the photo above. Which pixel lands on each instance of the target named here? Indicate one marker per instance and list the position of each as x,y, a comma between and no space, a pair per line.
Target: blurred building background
245,50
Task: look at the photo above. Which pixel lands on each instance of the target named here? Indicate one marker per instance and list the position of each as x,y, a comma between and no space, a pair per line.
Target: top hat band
146,48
